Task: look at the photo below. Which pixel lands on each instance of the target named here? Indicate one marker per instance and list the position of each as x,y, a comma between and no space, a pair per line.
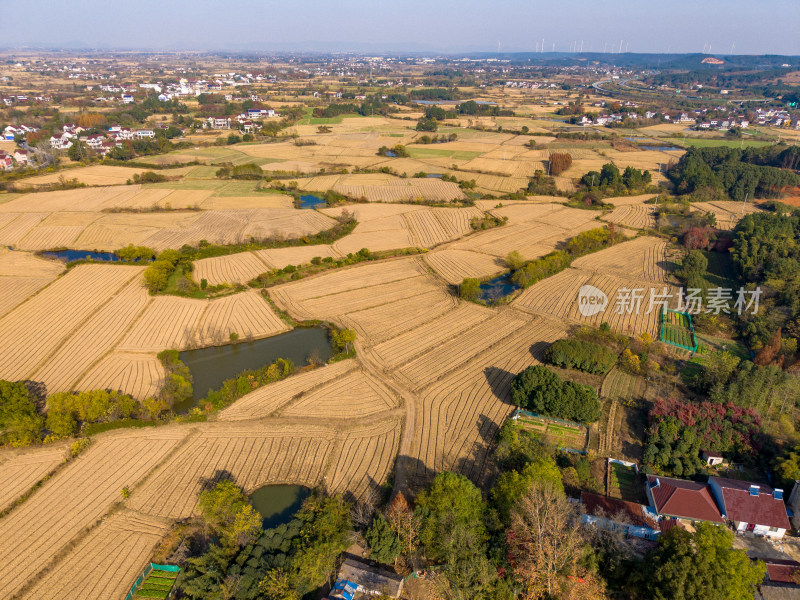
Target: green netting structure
677,330
155,581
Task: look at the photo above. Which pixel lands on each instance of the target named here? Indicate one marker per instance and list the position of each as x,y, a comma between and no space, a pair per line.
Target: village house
6,161
687,500
636,520
144,133
359,581
94,141
752,508
21,156
218,122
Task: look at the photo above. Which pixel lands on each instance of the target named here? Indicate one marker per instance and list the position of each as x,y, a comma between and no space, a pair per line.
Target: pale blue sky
755,26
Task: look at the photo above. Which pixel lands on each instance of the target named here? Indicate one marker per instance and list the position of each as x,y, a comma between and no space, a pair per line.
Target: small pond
661,148
498,287
71,255
211,366
311,201
277,503
434,175
391,154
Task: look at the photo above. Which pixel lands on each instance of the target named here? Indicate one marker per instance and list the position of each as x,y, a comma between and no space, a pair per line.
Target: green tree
383,540
20,422
325,534
515,260
227,510
699,566
470,289
542,391
511,485
450,500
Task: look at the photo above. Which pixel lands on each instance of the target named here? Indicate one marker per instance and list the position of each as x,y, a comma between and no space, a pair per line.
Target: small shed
712,459
360,580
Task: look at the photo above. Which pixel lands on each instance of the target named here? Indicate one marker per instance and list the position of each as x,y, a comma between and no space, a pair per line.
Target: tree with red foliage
698,238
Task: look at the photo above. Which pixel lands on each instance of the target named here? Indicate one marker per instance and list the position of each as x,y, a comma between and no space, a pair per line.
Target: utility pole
744,201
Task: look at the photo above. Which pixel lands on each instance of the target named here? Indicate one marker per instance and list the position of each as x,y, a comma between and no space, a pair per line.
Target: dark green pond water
211,366
277,503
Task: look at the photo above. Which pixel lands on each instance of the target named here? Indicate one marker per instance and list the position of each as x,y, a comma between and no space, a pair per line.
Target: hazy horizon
447,26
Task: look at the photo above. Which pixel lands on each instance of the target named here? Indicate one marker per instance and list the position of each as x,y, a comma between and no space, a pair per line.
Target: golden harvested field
93,175
97,336
365,458
387,320
253,455
247,314
728,214
416,342
278,258
168,322
353,289
557,297
22,275
174,322
105,563
80,219
355,394
458,416
21,469
637,216
641,258
233,268
140,375
36,531
35,328
266,400
427,367
454,265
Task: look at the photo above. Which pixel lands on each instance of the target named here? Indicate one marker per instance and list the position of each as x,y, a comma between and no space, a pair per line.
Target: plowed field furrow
104,564
459,349
265,400
35,328
34,533
354,395
94,339
234,268
20,470
416,342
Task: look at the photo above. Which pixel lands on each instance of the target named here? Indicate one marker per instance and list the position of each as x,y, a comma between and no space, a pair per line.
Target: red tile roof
740,506
595,504
781,571
686,499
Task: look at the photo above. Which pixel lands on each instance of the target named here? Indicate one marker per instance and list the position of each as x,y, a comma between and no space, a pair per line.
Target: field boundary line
113,347
277,413
114,508
80,325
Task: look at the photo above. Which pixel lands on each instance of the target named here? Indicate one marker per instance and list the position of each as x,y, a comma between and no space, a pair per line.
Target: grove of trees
542,391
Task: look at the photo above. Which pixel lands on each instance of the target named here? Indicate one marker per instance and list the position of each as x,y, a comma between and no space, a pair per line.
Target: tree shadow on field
37,391
220,475
411,475
537,350
474,464
499,381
